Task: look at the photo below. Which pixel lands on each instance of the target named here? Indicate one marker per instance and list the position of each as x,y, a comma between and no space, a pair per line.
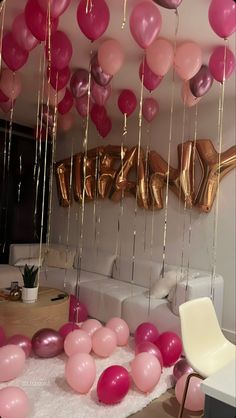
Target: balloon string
146,184
95,197
2,12
151,257
124,14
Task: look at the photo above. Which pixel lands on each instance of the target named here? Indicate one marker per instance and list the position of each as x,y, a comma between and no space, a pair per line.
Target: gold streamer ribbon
2,13
124,14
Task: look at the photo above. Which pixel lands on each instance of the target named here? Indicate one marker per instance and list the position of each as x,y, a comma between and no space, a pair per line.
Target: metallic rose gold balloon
168,4
22,341
79,83
47,343
98,74
201,83
180,368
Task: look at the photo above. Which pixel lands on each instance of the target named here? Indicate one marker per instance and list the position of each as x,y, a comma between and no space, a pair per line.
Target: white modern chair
205,346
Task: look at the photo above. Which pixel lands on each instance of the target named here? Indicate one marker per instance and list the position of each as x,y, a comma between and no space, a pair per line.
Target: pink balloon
148,347
145,23
37,21
12,362
90,326
80,372
77,341
60,50
47,343
98,114
14,403
3,97
110,56
113,385
146,332
57,7
222,63
150,109
65,122
127,102
98,74
145,371
23,342
13,55
188,60
94,22
120,327
66,103
78,311
170,346
188,98
59,78
100,94
104,342
22,35
10,83
3,338
52,95
150,80
104,127
7,106
81,105
180,368
67,328
195,397
159,56
79,83
222,17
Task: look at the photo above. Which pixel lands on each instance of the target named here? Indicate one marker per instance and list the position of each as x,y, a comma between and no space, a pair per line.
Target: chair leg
181,410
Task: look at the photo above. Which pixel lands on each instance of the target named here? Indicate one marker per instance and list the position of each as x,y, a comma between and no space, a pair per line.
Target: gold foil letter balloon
122,186
63,169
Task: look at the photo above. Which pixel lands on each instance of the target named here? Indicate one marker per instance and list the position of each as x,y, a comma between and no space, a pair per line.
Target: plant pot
29,294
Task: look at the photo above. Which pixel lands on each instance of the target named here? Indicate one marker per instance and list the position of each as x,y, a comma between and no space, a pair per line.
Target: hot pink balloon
98,74
145,23
148,347
22,35
66,103
150,109
59,78
188,60
188,98
98,114
80,372
3,338
110,56
113,385
104,342
146,332
47,343
10,83
21,341
60,50
120,327
57,7
65,122
37,21
195,397
90,326
222,17
78,311
79,83
94,21
159,56
3,97
150,80
104,127
77,341
14,403
13,55
145,371
180,368
67,328
12,362
100,94
222,63
170,346
81,105
127,102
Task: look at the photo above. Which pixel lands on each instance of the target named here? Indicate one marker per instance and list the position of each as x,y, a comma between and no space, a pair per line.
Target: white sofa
110,286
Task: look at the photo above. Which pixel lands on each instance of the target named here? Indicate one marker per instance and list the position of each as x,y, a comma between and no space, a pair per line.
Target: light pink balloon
150,109
22,35
90,326
145,371
77,341
222,17
188,98
57,7
65,122
120,327
22,341
14,403
3,338
195,397
10,83
188,60
104,342
222,63
145,23
80,372
54,96
110,56
12,362
100,94
159,56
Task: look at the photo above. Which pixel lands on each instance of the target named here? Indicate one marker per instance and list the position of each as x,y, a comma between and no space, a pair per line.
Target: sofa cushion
162,287
36,261
95,261
145,272
59,257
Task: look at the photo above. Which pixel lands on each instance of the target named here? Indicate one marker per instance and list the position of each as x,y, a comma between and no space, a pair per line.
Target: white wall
199,252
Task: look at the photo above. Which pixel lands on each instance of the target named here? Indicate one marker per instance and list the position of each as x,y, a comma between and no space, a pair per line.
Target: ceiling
193,25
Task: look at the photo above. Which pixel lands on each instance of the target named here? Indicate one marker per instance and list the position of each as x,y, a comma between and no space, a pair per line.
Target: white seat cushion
145,272
100,261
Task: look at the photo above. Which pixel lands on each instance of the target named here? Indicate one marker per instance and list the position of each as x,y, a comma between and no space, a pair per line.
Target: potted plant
30,288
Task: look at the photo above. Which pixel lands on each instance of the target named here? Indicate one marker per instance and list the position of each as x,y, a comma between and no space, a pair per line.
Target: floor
164,407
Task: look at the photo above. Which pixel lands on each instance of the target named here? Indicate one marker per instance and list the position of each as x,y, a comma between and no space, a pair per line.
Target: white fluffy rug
50,396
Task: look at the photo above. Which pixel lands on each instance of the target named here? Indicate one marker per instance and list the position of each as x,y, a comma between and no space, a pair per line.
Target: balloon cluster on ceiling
31,27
